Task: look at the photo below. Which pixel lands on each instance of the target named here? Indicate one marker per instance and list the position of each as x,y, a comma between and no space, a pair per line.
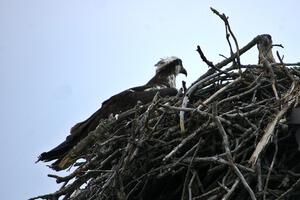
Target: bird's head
170,66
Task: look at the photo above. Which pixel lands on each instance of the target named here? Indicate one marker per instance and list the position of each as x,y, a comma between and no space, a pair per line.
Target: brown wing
114,105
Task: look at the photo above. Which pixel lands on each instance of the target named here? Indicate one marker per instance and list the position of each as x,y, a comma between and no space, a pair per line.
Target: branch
228,154
209,63
267,135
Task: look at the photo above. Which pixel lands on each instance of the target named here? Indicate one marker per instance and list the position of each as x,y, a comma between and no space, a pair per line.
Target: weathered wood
227,151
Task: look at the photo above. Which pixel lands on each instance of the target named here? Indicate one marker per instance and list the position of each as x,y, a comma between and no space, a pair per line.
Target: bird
163,82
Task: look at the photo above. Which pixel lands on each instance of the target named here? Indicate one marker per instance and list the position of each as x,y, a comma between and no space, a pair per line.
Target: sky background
60,59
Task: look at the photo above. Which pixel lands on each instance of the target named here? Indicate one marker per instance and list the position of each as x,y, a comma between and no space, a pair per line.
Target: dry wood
229,116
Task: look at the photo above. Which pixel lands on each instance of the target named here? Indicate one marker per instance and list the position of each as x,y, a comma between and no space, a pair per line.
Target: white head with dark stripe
169,68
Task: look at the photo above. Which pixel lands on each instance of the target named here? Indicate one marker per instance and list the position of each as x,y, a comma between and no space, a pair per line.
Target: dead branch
229,119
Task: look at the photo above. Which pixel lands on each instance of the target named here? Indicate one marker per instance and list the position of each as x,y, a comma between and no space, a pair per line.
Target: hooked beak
183,71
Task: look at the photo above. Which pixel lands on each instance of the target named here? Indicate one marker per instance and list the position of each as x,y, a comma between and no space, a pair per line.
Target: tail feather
58,151
78,132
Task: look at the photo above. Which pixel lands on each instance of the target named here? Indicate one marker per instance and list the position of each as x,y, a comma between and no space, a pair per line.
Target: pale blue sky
60,59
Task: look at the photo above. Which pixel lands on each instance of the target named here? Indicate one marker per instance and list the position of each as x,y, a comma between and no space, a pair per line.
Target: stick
229,156
267,135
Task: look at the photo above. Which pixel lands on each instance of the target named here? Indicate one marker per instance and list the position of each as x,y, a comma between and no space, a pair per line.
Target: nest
227,136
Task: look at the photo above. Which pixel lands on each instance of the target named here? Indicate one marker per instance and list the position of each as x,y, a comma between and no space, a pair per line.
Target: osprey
164,82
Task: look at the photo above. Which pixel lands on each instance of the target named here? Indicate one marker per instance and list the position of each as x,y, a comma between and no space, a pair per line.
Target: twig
225,62
228,28
209,63
259,178
282,196
228,154
268,66
229,193
267,135
284,68
271,167
190,186
188,171
220,91
217,159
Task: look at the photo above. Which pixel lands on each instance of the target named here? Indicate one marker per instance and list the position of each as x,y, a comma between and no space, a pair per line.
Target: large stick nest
232,140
